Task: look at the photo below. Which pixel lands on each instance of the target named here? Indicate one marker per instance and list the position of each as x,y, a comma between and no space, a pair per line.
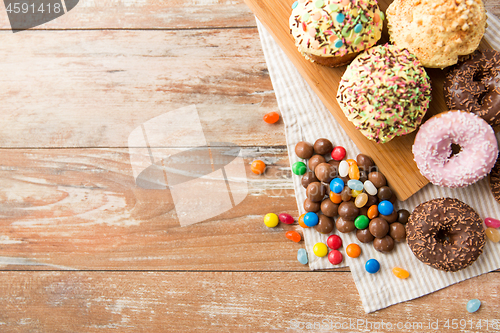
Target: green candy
361,222
319,3
358,40
299,168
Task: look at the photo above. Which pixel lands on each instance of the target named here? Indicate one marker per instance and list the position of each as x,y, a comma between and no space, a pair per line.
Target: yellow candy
400,273
355,193
493,234
320,249
271,220
361,200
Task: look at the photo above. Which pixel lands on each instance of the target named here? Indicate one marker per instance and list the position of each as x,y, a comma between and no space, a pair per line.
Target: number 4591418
24,8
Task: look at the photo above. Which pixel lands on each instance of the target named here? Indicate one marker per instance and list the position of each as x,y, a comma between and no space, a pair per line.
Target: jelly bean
473,305
302,256
361,222
400,273
355,193
354,172
334,242
299,168
353,250
320,249
311,219
335,197
370,188
491,222
301,221
350,162
335,257
293,236
271,117
355,184
338,153
372,212
343,169
337,185
295,4
493,234
385,207
286,218
258,167
372,266
271,220
361,200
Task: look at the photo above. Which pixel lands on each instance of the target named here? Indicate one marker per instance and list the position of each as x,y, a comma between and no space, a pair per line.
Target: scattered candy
491,222
302,256
354,172
335,257
338,153
400,273
299,168
355,184
301,221
258,167
293,236
473,305
320,249
336,185
372,266
353,250
335,197
351,162
355,193
311,219
343,169
361,222
361,200
286,218
271,220
385,207
334,242
370,188
493,235
372,212
271,117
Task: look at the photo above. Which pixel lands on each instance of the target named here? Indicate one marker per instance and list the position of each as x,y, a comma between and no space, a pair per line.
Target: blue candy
385,208
302,256
372,266
294,5
337,185
339,43
311,219
355,184
340,17
473,305
358,27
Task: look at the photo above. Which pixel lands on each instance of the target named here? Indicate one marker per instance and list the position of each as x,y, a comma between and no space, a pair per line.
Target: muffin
333,32
385,93
437,31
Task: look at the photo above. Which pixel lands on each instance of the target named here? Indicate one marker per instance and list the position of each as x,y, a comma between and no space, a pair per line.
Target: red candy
335,257
334,242
271,117
293,236
286,218
491,222
338,153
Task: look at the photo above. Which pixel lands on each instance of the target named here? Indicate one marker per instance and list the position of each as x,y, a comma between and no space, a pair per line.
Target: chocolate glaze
446,234
474,85
495,180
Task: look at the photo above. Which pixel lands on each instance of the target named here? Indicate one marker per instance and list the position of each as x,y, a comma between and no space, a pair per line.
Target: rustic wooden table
83,249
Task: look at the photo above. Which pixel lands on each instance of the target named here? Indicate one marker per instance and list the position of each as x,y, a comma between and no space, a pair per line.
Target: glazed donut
446,234
435,158
474,86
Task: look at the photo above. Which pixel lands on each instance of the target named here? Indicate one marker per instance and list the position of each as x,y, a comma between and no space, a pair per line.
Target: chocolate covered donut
446,234
474,86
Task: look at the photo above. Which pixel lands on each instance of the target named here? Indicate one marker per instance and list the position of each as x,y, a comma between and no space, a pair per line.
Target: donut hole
455,149
442,236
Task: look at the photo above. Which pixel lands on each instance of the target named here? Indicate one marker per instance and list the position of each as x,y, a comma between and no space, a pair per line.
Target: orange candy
258,167
351,162
293,236
354,172
353,250
336,198
301,221
271,117
372,212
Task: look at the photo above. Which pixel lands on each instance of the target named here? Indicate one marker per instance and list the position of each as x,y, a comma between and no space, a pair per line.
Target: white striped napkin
307,119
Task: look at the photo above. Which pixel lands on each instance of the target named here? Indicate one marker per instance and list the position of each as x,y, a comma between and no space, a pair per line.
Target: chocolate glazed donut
446,234
474,86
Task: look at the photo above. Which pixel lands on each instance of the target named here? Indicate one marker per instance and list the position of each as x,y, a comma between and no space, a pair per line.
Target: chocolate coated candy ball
372,200
348,210
364,162
403,216
325,224
379,227
384,193
314,161
304,150
377,178
323,146
310,206
393,199
344,226
308,178
316,192
384,245
397,231
346,194
329,208
324,172
364,235
363,210
363,176
391,218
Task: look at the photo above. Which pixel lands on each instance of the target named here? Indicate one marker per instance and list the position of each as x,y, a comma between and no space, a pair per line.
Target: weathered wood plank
92,88
226,302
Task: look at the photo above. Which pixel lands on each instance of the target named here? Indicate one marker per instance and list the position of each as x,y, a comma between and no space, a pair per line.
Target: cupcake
385,93
437,31
333,32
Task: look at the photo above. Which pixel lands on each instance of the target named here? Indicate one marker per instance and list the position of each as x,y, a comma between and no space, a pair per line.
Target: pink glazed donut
433,153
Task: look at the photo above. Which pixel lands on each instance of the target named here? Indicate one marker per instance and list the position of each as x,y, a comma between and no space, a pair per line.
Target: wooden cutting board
395,158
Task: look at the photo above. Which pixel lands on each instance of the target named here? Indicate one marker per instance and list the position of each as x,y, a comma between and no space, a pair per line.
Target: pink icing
432,149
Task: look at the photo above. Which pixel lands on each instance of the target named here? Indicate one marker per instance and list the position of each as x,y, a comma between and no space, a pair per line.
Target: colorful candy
271,220
372,212
336,185
351,162
353,250
355,193
301,221
258,167
355,184
286,218
385,207
299,168
335,197
354,172
334,242
343,169
400,273
372,266
320,249
493,234
361,222
293,236
335,257
271,117
361,200
338,153
370,188
491,222
473,305
302,256
311,219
